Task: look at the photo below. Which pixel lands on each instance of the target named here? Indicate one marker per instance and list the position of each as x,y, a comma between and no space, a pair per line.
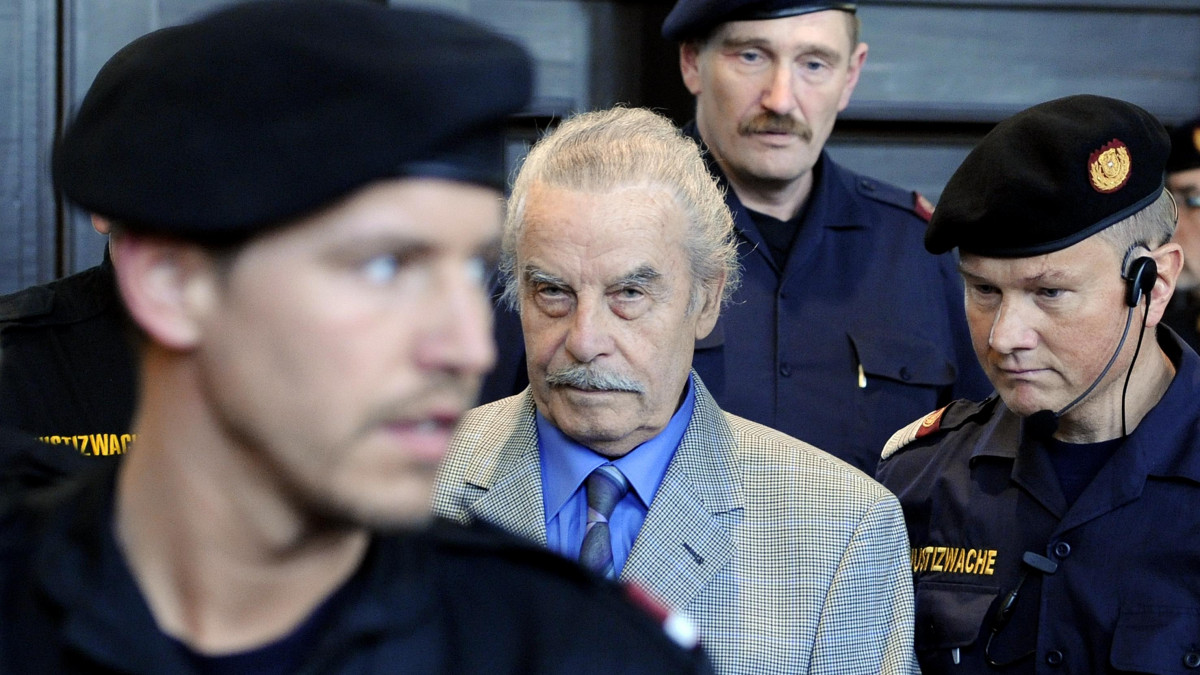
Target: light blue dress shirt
566,464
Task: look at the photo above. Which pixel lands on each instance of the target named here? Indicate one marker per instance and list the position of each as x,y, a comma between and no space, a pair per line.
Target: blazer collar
687,537
511,479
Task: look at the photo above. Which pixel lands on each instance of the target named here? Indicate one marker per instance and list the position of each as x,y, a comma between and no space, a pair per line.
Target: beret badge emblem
1109,167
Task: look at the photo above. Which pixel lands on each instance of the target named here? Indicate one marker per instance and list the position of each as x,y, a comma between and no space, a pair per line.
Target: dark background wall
939,74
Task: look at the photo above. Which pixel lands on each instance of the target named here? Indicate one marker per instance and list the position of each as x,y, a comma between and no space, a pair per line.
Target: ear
689,65
101,224
711,308
168,287
1169,259
857,58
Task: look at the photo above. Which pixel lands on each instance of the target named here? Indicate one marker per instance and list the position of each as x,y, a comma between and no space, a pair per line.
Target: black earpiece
1143,272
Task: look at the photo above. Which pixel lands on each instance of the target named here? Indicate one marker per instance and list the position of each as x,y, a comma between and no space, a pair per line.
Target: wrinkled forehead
832,26
634,226
621,211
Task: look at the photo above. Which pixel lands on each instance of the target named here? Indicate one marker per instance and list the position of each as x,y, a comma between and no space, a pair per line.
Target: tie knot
605,487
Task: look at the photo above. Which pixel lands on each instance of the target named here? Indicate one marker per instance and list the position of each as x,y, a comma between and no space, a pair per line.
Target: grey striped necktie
605,487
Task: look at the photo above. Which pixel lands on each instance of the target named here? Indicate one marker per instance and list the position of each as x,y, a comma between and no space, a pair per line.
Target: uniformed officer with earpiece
1055,527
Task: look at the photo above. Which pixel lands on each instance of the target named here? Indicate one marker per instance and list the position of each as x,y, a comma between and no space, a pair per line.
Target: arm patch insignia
919,429
922,206
931,422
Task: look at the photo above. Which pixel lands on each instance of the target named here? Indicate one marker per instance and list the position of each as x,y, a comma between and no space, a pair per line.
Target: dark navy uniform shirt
67,369
451,600
859,333
978,493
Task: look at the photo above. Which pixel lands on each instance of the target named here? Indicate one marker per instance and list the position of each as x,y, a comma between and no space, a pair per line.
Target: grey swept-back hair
608,149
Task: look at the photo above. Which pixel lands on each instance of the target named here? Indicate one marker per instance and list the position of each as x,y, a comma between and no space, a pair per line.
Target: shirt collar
566,464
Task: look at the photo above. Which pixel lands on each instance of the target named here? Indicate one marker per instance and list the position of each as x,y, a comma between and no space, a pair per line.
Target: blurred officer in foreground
1053,526
618,250
1183,180
305,194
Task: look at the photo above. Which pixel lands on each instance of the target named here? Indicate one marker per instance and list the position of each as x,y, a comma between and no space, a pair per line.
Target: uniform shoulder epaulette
946,418
35,301
77,297
922,206
886,193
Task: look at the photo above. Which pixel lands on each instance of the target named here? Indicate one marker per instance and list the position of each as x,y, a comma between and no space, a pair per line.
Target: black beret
266,111
1185,147
691,19
1049,177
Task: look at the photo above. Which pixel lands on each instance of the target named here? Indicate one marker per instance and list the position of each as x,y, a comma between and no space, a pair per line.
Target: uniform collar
1168,437
1165,441
81,570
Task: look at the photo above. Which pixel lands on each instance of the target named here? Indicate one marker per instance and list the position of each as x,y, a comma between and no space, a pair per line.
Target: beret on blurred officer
693,19
216,130
1050,177
1185,147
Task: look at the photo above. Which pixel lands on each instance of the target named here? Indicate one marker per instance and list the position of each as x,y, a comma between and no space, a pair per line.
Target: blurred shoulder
504,591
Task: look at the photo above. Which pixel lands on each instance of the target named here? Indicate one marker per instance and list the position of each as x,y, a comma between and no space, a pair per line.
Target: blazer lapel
510,481
687,538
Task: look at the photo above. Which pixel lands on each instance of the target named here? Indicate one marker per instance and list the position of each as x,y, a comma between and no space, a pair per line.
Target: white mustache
583,377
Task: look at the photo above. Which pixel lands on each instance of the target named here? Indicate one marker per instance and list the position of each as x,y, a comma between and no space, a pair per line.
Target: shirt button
1054,657
1062,549
785,370
1191,660
904,374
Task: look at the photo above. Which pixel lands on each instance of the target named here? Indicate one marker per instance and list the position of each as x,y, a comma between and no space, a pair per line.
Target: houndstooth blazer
788,559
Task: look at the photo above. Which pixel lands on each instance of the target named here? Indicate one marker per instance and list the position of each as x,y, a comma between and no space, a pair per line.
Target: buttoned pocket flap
951,615
904,358
1157,640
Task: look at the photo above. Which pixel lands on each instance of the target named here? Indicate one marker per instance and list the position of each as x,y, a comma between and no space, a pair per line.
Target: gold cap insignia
1196,138
1108,167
